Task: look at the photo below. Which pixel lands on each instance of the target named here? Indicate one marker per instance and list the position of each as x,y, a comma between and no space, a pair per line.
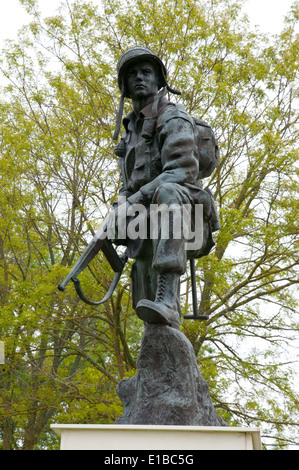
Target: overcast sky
268,14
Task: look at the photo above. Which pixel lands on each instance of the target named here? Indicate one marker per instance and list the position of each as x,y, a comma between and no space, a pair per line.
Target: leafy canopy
59,177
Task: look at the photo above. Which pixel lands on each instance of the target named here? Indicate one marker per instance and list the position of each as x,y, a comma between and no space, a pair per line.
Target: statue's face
141,79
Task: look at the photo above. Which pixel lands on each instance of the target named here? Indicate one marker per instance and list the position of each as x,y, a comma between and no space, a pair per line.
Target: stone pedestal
167,406
168,388
166,438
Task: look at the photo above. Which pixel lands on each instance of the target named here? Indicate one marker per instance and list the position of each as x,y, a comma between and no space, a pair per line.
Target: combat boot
165,309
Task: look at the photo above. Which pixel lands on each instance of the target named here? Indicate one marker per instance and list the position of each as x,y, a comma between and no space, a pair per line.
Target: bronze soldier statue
163,155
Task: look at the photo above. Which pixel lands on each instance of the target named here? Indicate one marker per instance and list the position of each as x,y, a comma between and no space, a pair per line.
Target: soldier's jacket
157,149
158,146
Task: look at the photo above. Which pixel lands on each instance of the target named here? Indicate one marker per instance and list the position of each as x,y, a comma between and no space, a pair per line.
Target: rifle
117,264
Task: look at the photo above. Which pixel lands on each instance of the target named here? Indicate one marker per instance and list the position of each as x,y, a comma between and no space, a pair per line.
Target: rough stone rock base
168,388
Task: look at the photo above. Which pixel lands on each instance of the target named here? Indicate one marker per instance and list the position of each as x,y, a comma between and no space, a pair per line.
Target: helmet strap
172,90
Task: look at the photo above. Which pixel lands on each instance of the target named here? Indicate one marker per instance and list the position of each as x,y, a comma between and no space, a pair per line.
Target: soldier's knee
166,193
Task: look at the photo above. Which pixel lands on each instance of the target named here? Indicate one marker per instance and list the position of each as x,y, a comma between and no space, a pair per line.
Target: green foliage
59,176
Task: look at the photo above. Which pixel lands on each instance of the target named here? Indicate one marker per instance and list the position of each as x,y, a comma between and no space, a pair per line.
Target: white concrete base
137,437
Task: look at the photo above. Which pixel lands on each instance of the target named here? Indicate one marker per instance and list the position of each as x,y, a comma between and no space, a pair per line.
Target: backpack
208,152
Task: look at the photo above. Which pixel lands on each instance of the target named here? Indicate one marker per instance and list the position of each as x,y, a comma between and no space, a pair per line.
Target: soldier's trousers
162,253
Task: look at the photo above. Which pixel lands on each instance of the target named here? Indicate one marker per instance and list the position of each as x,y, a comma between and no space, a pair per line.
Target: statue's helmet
131,55
140,53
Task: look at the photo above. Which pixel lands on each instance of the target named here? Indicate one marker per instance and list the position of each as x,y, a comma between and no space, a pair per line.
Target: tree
59,176
53,154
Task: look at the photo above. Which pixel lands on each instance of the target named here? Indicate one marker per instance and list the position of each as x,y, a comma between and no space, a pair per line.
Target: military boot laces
165,307
160,294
